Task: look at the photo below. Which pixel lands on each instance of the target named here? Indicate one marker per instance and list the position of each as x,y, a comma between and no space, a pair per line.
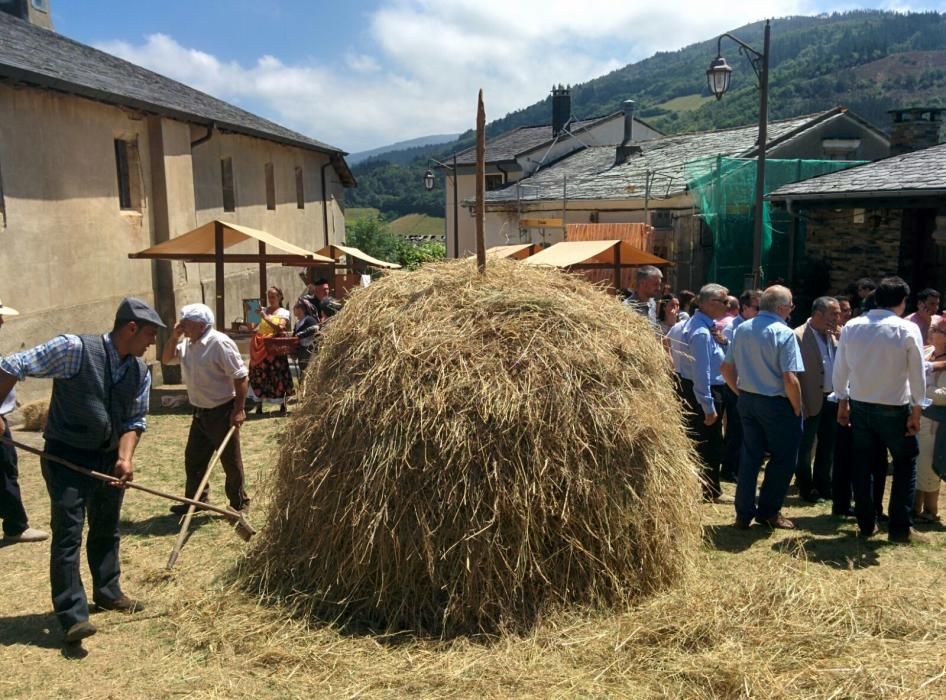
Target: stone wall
853,243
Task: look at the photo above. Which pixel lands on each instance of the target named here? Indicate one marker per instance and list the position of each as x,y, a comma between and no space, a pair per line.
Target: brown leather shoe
80,631
122,604
777,522
909,537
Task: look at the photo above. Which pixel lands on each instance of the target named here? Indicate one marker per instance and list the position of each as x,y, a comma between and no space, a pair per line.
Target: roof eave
43,81
885,194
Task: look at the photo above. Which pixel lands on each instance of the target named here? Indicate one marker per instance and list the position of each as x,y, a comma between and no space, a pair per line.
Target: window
270,187
661,218
128,169
40,5
494,182
300,189
226,184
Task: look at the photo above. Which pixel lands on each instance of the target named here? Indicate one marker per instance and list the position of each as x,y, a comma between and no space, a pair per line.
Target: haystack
474,451
35,414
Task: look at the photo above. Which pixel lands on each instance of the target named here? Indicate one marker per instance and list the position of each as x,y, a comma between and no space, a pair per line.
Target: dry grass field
814,613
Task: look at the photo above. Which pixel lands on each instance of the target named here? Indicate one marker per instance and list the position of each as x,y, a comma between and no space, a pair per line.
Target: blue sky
359,73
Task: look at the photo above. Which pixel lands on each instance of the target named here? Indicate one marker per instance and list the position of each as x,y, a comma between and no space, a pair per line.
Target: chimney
561,108
35,12
914,129
627,150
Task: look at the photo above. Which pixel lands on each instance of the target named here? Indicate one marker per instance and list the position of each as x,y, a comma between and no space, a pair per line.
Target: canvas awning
199,245
594,254
514,252
207,243
334,252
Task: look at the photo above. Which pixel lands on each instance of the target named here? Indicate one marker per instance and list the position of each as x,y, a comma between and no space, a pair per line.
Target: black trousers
73,498
708,438
732,440
11,502
876,427
208,428
842,475
813,471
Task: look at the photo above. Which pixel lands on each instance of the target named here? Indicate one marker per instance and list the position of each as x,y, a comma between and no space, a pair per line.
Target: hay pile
35,414
473,451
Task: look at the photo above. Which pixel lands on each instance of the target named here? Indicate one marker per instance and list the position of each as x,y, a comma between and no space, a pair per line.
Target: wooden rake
240,524
182,535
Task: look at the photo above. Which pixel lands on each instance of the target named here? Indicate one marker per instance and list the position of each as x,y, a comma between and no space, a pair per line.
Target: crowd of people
822,404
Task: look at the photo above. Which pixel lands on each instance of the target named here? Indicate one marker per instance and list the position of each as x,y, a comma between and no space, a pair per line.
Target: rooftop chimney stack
627,150
561,108
914,129
35,12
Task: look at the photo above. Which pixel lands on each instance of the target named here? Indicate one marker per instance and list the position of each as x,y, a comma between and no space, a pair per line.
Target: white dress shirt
209,366
880,360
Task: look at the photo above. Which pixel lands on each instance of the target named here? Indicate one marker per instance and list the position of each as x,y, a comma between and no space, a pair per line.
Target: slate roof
591,173
921,173
37,56
523,139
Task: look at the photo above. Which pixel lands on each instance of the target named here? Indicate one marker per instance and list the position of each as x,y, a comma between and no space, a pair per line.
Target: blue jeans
72,497
877,427
768,425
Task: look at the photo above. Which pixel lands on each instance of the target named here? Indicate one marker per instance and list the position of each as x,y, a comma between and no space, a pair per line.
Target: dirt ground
810,613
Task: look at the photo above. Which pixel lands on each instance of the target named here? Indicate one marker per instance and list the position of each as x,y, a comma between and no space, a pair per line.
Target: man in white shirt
16,527
217,383
880,382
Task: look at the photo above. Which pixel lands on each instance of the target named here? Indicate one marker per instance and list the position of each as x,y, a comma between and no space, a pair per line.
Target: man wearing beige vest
818,347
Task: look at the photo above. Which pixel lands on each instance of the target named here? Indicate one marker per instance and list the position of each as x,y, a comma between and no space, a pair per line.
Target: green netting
724,190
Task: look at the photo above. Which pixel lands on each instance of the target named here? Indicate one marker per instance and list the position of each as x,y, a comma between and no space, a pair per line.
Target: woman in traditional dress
269,372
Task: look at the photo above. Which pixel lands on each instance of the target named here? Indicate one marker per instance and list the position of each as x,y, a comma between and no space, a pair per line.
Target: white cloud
433,55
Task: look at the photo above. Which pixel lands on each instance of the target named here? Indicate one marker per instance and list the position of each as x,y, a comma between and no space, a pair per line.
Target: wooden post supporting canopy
218,274
263,286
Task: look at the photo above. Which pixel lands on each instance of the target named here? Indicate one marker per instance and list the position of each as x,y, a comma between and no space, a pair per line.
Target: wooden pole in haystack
480,182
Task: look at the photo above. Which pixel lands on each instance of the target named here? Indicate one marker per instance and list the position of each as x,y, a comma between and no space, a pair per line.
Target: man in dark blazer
818,347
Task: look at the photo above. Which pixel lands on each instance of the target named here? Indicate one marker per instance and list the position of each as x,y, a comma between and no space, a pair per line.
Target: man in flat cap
217,383
16,526
97,413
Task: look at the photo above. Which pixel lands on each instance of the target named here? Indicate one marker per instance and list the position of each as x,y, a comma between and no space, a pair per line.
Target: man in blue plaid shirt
96,416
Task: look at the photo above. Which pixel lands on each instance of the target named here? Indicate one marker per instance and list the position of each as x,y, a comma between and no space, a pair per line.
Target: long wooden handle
124,484
182,535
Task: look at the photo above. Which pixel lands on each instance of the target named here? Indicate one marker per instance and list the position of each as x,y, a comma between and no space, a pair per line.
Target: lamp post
718,76
429,185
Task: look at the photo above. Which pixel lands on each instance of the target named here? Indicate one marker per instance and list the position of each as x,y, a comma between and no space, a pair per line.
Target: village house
100,158
517,154
886,217
648,181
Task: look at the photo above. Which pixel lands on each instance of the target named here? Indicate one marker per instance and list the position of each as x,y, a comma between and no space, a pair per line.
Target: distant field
685,103
419,224
355,213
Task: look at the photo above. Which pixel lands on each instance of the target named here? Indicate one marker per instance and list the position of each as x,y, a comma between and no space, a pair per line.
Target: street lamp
718,76
429,185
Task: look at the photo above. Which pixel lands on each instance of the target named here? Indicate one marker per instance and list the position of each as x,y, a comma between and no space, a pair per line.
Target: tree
372,236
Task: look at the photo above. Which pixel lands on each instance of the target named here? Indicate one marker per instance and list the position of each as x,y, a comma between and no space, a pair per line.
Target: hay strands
182,535
240,523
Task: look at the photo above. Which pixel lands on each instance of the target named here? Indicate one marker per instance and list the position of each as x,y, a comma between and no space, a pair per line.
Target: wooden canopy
206,244
595,255
335,252
514,252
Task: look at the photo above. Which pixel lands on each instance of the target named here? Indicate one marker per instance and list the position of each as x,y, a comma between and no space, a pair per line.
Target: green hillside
418,225
869,61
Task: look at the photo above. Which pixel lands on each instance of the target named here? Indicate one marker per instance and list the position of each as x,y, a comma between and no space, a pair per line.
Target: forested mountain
869,61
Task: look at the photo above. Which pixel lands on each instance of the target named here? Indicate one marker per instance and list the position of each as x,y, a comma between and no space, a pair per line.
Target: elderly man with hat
217,384
97,413
16,527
